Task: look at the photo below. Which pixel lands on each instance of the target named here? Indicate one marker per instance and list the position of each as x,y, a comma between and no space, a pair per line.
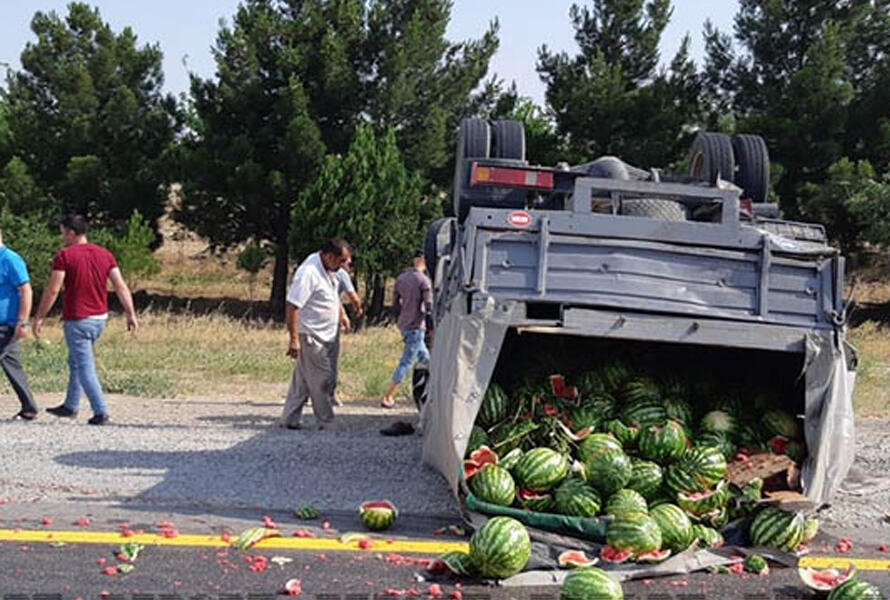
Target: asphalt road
68,492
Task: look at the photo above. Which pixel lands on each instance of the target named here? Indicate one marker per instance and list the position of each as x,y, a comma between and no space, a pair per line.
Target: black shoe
61,411
98,420
24,415
398,428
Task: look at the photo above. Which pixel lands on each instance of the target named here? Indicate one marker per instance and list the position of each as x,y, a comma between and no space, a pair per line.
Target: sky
186,30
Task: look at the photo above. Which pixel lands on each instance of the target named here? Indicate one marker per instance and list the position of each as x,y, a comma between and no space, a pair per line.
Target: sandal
388,403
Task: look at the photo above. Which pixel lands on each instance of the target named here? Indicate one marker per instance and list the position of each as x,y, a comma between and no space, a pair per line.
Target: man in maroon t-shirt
84,269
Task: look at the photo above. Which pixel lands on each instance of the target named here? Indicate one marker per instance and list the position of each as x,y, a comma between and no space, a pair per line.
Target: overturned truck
694,278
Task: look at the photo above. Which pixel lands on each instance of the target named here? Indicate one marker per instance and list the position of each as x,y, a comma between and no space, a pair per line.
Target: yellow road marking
841,562
432,547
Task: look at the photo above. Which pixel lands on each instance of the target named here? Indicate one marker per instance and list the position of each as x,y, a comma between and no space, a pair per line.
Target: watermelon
541,469
644,413
458,563
795,451
718,421
825,580
614,375
508,436
641,389
855,589
677,479
590,583
776,528
575,498
646,478
478,437
663,443
635,532
707,537
495,407
675,526
596,442
754,563
608,470
494,484
535,501
500,548
611,555
779,422
584,416
810,530
717,518
378,515
626,435
715,439
626,501
510,459
702,503
706,466
602,404
591,384
573,559
678,410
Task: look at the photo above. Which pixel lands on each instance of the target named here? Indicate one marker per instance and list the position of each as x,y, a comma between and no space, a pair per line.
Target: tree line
339,116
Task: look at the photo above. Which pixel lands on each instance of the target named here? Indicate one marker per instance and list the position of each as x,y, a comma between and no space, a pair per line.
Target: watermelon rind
500,548
855,589
707,537
378,515
575,559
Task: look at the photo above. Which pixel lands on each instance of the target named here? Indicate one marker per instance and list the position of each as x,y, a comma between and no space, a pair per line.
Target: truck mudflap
466,350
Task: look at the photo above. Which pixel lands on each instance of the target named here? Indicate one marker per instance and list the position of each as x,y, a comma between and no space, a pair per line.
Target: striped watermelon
596,442
678,410
614,375
717,518
577,499
714,439
701,503
627,436
705,464
495,407
608,470
663,443
585,416
590,583
500,548
641,389
676,528
508,436
626,501
494,484
707,537
756,564
677,479
644,413
478,438
510,459
378,515
855,589
776,528
779,422
535,501
591,384
634,532
458,563
541,469
646,478
718,421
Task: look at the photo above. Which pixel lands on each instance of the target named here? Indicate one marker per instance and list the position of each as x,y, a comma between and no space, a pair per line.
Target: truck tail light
511,177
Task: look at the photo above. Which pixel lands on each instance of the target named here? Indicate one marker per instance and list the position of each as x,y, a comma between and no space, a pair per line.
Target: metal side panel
681,330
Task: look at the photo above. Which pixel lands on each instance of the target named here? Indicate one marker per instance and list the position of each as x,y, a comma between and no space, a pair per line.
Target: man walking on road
84,269
15,307
413,301
314,315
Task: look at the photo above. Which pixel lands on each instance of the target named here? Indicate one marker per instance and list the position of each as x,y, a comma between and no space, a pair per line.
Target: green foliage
87,117
369,198
132,247
18,192
253,259
543,144
32,237
611,98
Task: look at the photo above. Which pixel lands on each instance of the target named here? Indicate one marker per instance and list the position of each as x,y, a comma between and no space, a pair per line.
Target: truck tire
653,208
711,158
508,140
439,240
473,141
752,161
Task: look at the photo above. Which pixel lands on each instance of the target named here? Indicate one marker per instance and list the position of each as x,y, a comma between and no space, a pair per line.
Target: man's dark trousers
11,361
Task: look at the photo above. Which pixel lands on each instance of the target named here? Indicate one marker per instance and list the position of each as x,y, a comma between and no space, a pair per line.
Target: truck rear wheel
711,158
752,159
508,140
473,141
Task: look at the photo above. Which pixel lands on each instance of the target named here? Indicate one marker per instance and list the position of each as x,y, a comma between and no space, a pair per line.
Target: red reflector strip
505,176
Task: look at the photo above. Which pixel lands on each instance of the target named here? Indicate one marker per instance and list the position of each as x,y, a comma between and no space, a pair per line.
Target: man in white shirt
313,316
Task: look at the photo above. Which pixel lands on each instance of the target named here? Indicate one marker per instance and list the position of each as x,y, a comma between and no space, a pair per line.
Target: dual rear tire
742,159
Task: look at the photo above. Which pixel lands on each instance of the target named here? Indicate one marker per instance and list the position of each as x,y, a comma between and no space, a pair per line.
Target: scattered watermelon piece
560,389
575,558
611,555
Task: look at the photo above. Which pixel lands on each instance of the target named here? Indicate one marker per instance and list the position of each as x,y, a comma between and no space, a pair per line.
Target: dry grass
872,396
210,356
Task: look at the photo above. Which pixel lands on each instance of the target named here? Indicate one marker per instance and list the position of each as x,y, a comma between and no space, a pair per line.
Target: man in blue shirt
15,306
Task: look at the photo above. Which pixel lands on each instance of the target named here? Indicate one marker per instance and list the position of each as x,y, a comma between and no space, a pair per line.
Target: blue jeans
415,349
80,336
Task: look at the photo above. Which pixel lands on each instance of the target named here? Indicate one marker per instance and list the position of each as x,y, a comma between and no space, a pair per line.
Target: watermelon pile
649,452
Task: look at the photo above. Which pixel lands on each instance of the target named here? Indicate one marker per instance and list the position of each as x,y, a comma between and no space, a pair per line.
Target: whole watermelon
493,484
779,422
596,442
717,440
663,443
634,532
500,548
541,469
705,464
626,501
776,528
855,589
646,478
608,470
718,421
495,407
675,526
577,499
677,479
590,583
644,413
